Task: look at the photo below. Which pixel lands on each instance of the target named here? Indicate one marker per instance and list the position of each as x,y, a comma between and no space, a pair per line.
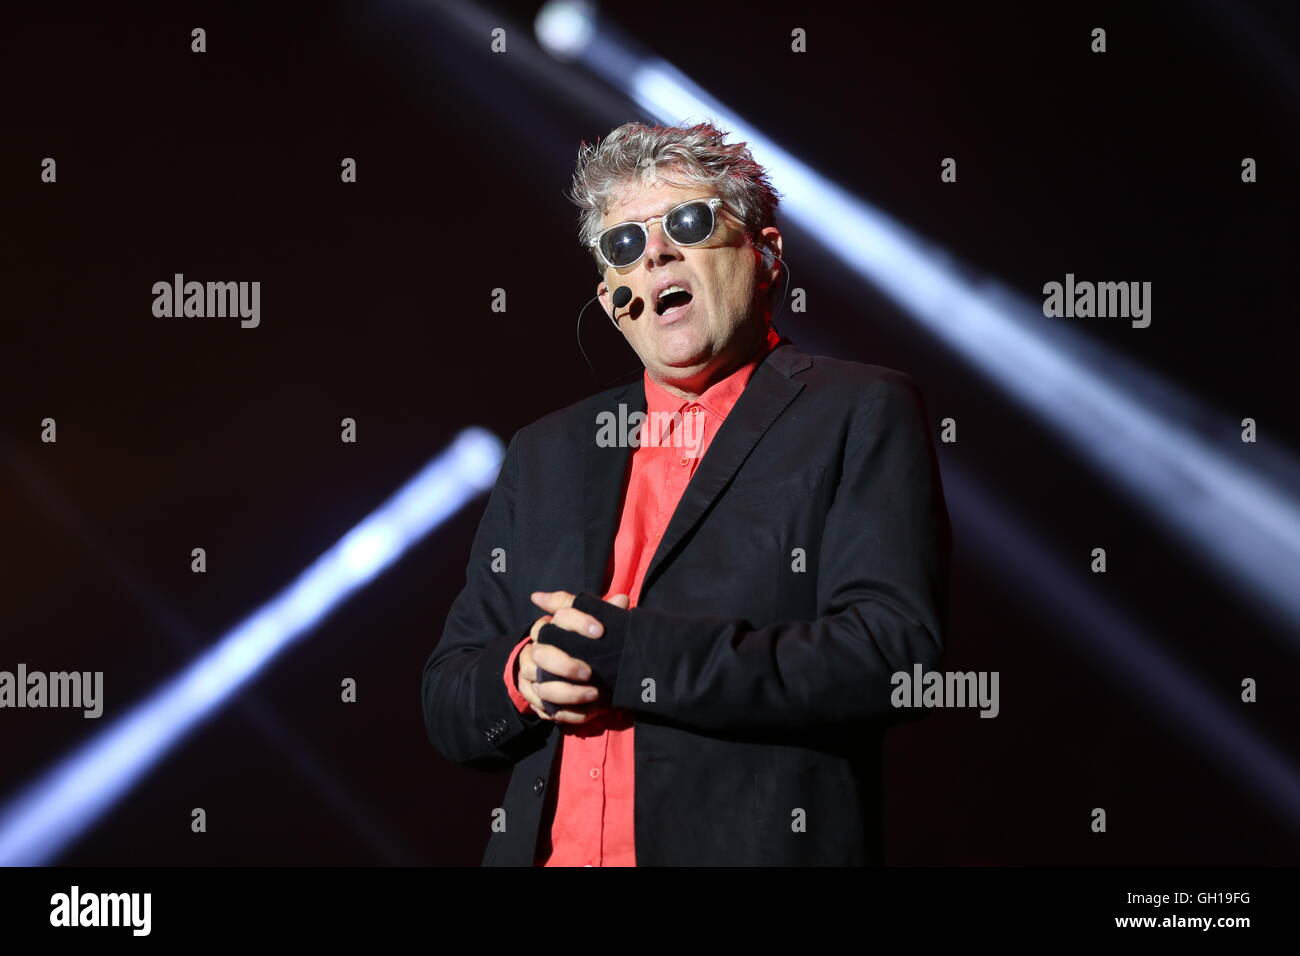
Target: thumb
620,600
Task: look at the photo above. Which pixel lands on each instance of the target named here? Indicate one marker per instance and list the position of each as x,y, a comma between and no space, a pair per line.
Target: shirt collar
719,398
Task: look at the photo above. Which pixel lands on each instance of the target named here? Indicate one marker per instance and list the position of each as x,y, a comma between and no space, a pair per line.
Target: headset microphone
622,296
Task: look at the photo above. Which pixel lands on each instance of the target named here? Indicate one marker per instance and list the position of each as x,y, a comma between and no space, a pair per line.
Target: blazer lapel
766,396
605,470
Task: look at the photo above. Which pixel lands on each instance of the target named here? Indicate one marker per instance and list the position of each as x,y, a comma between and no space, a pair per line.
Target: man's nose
658,245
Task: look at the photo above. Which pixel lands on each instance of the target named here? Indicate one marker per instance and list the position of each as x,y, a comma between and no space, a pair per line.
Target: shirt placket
684,428
692,439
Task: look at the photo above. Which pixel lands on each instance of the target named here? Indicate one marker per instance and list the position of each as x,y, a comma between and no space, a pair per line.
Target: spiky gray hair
635,155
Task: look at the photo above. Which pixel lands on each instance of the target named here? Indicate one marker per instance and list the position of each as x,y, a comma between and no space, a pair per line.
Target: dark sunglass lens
623,245
691,223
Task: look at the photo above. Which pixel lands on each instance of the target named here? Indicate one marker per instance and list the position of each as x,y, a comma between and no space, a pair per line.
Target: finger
551,601
538,625
579,714
540,711
551,658
528,689
562,692
527,667
578,711
571,619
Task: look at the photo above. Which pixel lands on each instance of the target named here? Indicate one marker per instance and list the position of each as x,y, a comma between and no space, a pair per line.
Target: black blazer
806,563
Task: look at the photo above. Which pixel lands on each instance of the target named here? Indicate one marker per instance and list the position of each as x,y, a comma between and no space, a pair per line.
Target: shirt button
684,461
595,772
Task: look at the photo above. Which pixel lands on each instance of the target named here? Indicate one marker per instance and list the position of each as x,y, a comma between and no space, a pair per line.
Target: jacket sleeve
882,571
468,711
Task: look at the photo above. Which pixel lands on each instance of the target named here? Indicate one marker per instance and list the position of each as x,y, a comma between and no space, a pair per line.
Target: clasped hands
578,701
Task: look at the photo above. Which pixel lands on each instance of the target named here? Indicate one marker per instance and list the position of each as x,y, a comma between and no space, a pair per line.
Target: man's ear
770,239
770,236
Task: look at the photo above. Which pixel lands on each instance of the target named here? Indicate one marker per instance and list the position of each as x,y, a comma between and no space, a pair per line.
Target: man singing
680,636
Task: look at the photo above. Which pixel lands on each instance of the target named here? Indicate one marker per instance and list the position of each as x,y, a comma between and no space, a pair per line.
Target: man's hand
579,698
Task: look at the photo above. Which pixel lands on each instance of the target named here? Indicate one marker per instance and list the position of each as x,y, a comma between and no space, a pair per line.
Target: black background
183,433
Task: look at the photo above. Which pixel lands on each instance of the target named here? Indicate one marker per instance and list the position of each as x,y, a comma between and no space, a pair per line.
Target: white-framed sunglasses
686,224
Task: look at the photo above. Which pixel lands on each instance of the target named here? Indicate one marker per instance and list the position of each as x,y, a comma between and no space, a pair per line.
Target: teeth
670,289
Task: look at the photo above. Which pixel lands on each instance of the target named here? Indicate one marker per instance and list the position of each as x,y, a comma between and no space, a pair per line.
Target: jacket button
538,786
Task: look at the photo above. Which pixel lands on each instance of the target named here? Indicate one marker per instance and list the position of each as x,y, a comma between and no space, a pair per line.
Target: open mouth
672,301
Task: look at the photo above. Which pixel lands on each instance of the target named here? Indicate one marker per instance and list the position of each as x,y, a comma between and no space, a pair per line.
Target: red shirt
594,796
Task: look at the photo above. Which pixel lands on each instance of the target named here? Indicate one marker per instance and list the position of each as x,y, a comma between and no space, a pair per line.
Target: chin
683,358
689,348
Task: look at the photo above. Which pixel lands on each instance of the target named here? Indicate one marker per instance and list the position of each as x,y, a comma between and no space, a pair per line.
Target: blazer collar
605,471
